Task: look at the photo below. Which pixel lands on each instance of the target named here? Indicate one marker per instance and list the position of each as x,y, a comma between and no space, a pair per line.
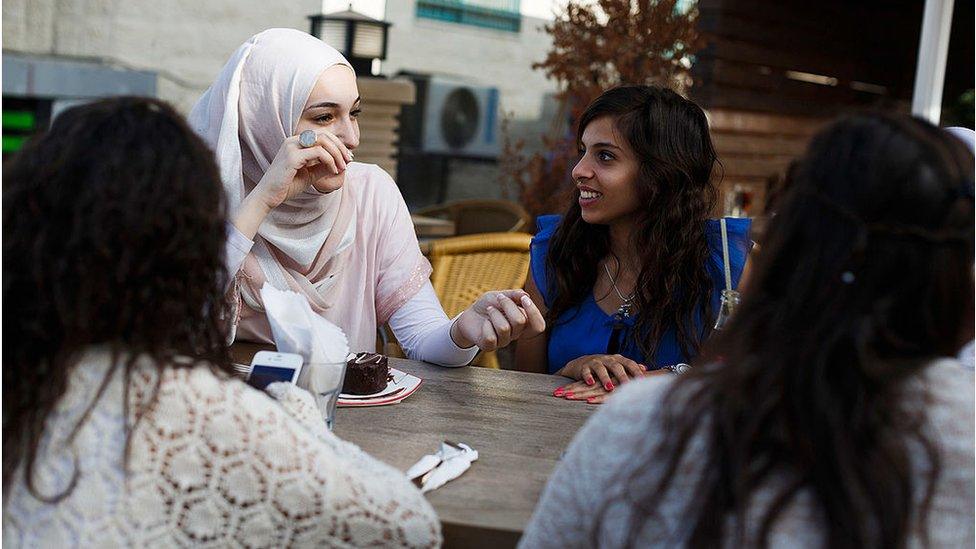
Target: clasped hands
598,375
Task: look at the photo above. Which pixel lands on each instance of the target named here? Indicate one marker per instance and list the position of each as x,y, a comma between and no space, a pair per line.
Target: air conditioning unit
455,118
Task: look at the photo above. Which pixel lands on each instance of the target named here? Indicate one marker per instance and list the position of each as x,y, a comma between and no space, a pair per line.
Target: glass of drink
324,381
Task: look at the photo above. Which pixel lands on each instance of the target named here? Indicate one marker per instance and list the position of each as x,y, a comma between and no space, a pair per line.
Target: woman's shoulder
369,181
950,388
640,397
595,466
376,194
546,226
631,408
228,407
737,230
943,392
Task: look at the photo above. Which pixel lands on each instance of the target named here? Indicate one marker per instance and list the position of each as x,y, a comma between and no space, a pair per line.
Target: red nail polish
589,381
558,392
569,394
608,386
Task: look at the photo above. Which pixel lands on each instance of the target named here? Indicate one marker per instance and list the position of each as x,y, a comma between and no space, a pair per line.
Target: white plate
400,387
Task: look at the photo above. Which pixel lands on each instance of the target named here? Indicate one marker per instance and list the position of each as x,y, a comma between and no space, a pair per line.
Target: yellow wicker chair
481,216
467,266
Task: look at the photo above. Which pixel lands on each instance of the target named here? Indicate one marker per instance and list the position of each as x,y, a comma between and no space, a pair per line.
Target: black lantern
360,38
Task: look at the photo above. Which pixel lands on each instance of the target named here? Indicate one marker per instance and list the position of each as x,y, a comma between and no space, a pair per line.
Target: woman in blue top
631,276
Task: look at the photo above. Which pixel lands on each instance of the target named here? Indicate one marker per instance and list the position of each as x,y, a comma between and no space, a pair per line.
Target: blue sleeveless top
586,329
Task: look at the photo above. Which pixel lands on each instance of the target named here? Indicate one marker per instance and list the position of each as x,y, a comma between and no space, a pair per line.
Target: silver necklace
625,307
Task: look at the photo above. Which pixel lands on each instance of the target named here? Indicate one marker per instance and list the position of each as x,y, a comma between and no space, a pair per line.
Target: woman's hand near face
295,168
292,171
497,319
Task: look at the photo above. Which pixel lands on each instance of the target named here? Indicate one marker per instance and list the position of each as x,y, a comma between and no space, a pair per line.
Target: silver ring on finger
307,139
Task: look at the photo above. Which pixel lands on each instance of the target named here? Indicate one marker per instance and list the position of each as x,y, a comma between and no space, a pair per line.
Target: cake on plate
366,373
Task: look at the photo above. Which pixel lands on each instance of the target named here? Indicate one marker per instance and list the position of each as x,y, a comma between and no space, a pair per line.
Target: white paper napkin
447,464
297,329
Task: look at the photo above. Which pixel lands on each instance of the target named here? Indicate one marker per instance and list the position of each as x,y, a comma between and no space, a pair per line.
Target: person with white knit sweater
122,422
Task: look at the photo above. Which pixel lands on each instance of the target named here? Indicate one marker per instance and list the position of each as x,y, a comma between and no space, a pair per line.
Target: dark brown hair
669,136
867,276
114,231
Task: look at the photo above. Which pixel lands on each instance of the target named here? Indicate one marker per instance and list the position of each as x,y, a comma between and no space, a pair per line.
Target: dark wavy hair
114,231
866,277
669,135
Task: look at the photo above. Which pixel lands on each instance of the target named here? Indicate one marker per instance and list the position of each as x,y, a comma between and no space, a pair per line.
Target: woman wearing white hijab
281,118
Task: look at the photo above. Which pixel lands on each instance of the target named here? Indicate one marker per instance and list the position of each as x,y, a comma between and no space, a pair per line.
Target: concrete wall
185,42
481,56
489,57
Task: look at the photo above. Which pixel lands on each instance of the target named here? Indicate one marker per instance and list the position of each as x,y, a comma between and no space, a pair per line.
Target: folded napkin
435,470
297,329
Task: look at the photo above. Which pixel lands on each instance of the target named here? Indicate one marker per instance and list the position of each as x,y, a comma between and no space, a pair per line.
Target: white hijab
255,103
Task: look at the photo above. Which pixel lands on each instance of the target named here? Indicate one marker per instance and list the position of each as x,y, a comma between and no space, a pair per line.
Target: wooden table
511,418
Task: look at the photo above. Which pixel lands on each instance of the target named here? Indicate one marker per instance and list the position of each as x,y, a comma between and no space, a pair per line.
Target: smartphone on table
268,367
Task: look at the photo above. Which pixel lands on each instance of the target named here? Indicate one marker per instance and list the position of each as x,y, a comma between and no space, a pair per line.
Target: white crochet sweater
213,463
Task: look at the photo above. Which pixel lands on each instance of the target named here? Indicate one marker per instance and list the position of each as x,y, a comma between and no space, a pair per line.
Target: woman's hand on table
594,393
293,170
609,370
497,319
578,390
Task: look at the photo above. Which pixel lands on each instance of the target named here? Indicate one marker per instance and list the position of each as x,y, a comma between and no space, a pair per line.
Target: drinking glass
324,381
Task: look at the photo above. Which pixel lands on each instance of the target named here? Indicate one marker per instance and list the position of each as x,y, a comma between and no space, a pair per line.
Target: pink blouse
382,270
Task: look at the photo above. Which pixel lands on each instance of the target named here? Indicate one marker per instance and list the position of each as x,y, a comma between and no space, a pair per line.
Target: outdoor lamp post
360,38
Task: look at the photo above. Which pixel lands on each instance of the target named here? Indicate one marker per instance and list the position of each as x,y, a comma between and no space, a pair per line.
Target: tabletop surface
511,419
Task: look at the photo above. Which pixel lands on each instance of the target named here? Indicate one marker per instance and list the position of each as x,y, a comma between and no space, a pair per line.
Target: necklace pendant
624,310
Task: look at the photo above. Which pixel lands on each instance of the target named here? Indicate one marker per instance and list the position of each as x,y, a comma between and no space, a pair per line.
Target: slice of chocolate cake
366,373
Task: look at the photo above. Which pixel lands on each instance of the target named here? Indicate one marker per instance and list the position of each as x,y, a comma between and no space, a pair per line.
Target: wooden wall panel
753,147
752,44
